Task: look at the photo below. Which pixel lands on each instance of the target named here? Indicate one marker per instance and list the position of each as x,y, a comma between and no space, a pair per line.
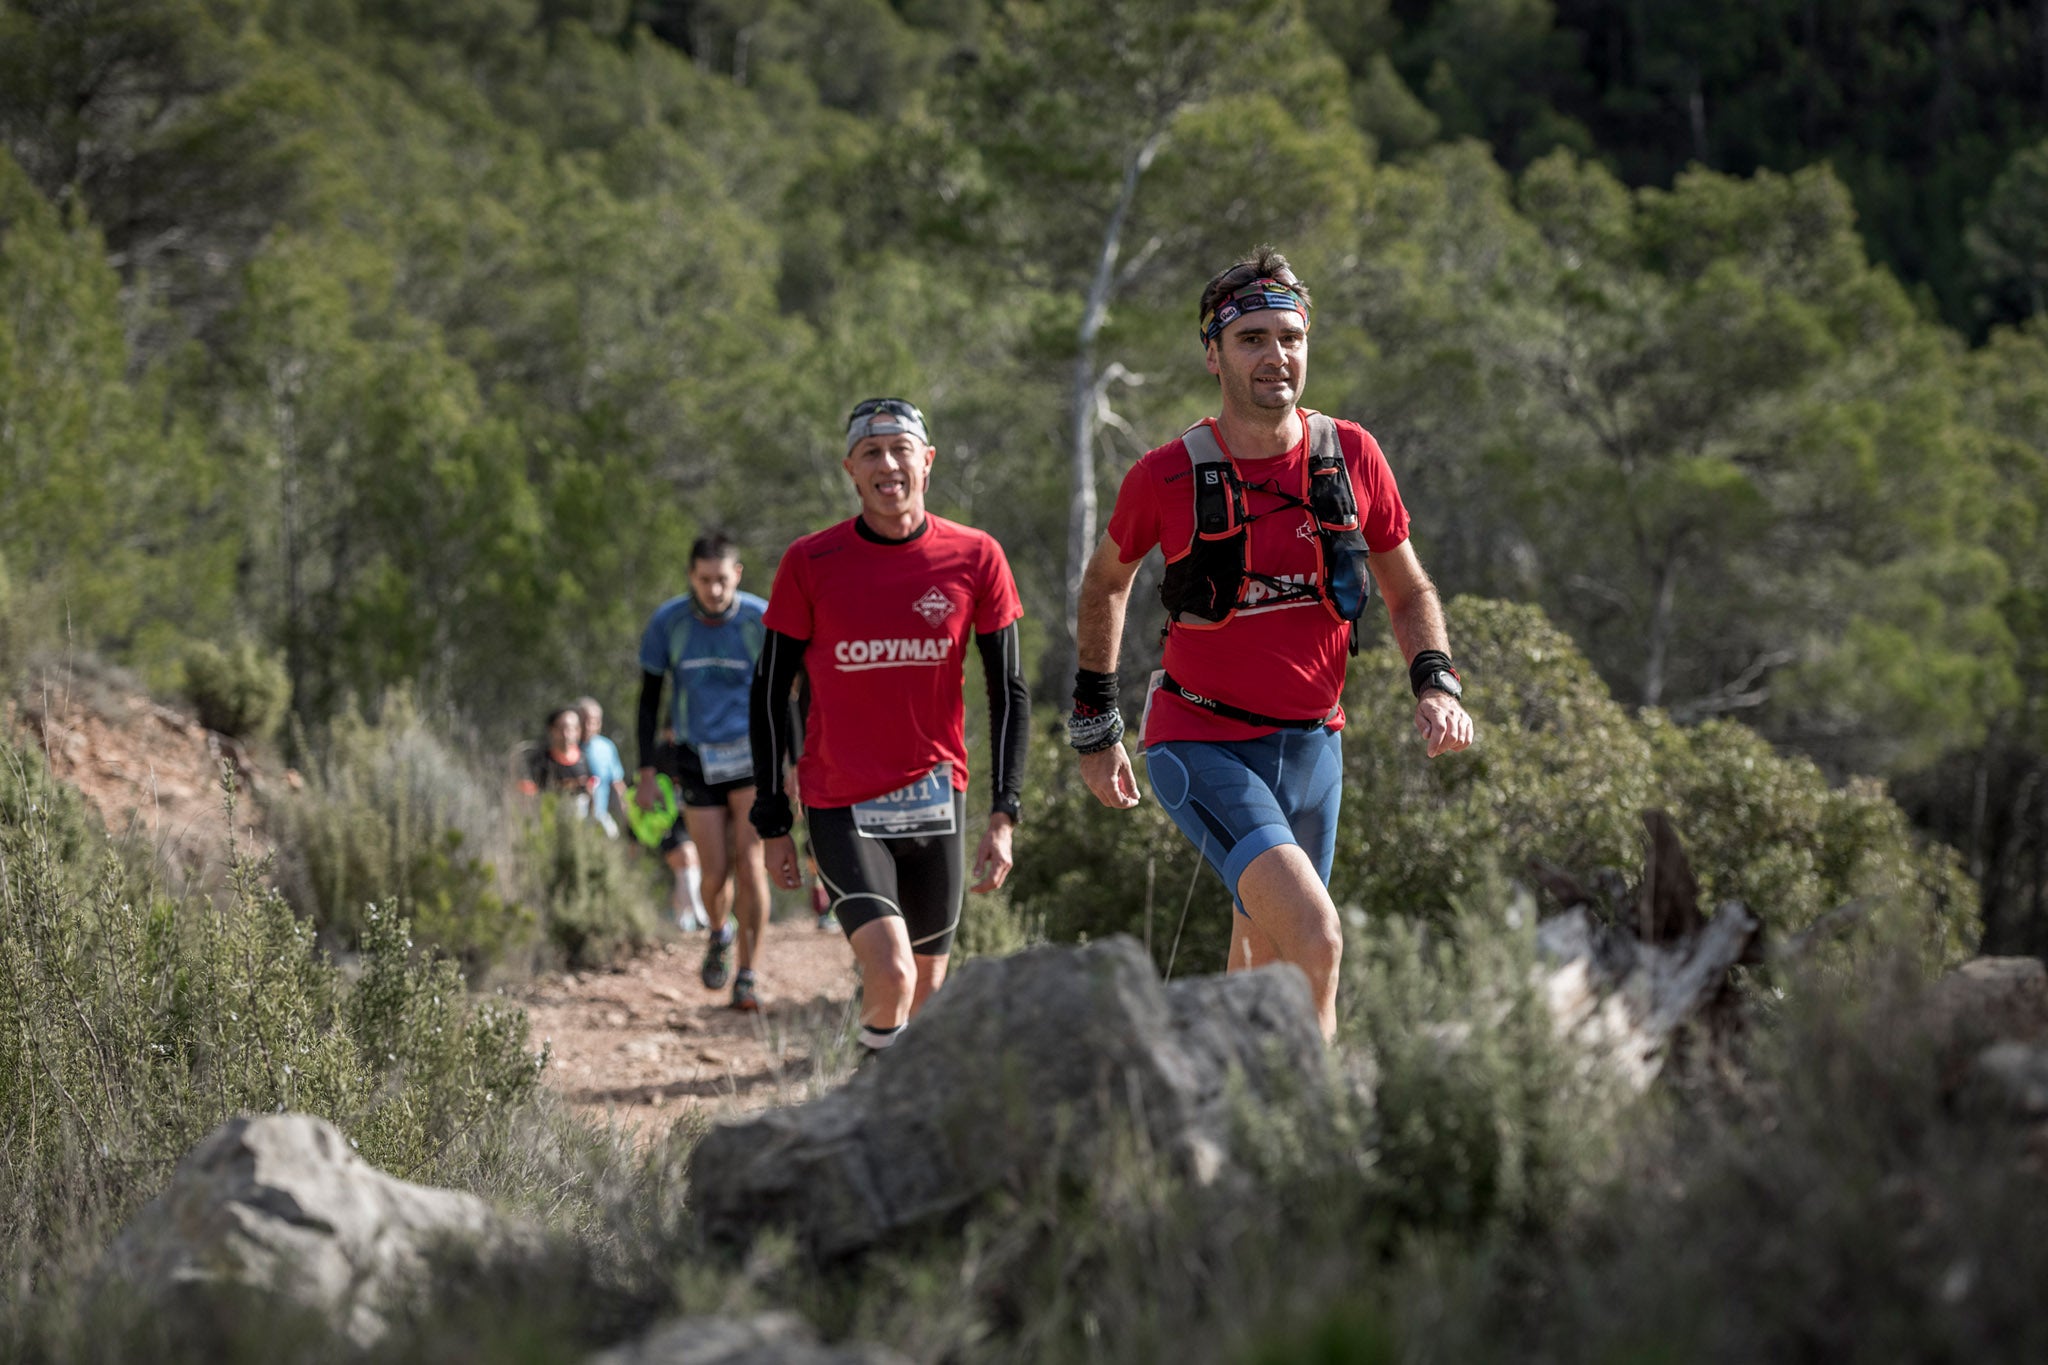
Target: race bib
923,807
732,761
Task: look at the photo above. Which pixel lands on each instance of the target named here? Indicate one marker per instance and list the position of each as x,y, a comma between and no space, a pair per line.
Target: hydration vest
1206,584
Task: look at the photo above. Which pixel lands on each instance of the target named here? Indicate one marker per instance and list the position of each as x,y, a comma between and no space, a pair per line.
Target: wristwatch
1445,681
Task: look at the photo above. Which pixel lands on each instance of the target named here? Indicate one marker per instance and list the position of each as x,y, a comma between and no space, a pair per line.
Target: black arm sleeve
768,726
650,716
1009,715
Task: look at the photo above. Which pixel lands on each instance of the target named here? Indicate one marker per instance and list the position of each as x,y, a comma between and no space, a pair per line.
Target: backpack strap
1213,493
1332,500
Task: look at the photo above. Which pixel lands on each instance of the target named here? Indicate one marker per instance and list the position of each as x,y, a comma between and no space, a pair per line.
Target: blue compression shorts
1235,799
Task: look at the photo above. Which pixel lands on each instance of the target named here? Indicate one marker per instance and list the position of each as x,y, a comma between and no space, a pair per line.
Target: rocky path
646,1044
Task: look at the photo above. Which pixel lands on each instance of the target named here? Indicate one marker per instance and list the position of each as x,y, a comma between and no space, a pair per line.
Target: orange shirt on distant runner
887,626
1286,660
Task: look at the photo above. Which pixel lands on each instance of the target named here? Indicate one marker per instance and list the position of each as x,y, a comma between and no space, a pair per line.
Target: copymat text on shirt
851,654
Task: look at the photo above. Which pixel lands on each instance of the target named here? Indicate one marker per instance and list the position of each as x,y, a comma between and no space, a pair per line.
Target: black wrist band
771,816
1426,664
1094,692
1007,805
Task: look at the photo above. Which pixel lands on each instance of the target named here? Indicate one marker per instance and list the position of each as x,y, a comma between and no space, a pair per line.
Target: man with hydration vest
1274,521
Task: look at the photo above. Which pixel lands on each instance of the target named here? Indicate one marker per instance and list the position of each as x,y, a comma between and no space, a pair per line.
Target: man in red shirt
1263,585
876,612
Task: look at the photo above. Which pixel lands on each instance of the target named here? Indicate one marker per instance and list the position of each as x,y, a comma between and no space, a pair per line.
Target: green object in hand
650,826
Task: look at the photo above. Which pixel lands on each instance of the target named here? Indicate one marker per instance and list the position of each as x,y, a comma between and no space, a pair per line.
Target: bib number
732,761
924,807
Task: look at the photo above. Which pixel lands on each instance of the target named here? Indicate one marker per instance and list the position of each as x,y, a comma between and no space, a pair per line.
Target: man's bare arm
1099,633
1417,617
1105,595
1413,610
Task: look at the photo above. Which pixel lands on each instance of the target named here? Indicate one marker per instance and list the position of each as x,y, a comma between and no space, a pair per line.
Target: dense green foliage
416,346
408,346
1562,776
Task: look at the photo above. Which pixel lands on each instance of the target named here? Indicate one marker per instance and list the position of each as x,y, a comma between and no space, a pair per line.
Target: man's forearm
1418,622
1105,595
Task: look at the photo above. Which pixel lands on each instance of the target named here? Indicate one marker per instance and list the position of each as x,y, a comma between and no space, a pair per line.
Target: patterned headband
1250,298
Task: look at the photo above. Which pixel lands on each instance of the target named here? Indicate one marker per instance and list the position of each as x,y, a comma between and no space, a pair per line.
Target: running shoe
717,971
743,993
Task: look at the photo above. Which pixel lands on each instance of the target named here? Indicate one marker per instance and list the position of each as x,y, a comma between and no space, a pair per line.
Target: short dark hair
1263,263
712,545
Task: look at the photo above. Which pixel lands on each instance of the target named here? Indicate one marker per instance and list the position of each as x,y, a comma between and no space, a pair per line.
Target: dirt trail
646,1044
643,1045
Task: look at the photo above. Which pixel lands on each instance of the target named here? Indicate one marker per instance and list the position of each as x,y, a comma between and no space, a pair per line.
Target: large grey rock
1018,1063
282,1206
767,1339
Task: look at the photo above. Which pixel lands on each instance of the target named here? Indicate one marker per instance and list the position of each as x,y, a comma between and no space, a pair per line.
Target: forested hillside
411,344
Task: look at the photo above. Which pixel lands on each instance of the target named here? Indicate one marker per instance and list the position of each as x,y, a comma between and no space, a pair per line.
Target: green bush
131,1025
241,691
390,810
594,906
1836,1204
1560,772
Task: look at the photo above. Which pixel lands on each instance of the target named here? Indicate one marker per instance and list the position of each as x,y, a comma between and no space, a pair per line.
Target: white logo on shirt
857,656
934,607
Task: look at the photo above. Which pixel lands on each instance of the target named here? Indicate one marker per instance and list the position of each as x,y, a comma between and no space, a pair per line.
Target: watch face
1445,682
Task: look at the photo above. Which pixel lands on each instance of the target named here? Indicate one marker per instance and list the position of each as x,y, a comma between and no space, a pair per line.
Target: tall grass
390,810
132,1024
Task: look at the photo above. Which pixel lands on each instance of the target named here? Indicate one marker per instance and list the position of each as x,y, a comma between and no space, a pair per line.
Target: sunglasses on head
870,406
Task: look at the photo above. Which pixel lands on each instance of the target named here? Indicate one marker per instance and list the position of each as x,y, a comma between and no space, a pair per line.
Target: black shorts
920,879
686,770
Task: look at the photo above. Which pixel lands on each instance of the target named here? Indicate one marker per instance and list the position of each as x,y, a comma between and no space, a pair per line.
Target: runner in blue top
607,769
703,646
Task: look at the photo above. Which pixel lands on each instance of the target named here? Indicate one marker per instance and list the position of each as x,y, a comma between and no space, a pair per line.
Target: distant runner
607,769
1240,738
877,611
559,767
704,644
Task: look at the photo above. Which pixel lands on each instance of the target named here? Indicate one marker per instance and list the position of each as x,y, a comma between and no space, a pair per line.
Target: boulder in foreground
281,1207
1019,1064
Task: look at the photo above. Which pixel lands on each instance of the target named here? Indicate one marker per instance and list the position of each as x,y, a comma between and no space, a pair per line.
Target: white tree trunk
1081,502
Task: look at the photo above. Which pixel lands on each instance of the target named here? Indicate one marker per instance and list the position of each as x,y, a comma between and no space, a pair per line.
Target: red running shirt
888,627
1279,660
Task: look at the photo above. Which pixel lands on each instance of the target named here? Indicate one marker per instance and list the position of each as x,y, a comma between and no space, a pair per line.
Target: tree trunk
1081,502
1661,623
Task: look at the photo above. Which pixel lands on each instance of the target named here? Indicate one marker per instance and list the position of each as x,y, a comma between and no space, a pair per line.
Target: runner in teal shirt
702,647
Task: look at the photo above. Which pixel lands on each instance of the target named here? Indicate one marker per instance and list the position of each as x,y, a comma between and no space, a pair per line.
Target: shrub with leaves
1560,772
241,691
132,1025
388,811
594,908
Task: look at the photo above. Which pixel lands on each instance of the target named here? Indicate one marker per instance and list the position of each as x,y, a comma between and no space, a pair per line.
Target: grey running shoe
717,970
